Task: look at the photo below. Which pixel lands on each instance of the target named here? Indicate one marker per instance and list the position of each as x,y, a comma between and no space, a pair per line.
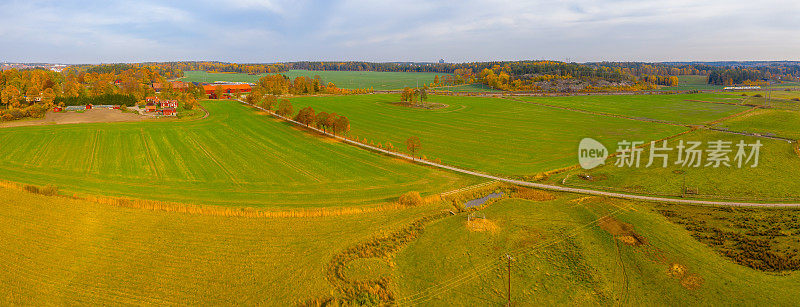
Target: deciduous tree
413,144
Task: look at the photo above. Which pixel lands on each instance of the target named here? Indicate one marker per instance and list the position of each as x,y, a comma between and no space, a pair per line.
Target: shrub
795,99
47,190
8,117
758,95
410,199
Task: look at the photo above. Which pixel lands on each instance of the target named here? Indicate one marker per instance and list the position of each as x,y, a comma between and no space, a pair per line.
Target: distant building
228,89
741,88
441,61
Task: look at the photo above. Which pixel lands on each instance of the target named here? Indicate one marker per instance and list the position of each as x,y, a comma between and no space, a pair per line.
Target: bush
410,199
7,117
757,95
795,99
48,190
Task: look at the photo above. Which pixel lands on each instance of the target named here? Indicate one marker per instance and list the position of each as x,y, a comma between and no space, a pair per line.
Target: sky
266,31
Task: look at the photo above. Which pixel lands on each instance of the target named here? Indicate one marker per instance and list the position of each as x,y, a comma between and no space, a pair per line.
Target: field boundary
530,184
211,210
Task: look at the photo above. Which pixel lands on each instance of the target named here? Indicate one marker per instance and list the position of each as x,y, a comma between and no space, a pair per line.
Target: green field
474,87
58,251
510,137
234,157
772,179
679,109
782,123
692,82
561,257
62,251
342,79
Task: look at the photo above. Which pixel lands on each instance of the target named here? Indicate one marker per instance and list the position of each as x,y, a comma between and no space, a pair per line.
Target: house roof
225,87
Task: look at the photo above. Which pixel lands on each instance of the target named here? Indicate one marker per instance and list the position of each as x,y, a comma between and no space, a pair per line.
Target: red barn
57,109
151,107
169,112
88,107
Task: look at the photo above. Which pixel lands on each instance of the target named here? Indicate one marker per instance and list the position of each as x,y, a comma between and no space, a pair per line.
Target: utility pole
508,260
683,188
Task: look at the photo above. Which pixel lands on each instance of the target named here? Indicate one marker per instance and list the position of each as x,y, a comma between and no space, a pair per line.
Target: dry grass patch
621,231
688,280
482,225
534,194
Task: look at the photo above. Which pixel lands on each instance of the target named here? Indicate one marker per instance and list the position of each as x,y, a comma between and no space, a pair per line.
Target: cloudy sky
405,30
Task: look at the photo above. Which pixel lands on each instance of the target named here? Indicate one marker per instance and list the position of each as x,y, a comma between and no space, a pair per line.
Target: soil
88,116
622,231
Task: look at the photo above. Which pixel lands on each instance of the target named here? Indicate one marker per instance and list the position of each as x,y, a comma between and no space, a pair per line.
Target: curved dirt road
538,185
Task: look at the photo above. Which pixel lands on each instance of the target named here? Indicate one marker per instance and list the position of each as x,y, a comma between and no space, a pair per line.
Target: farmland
772,179
342,79
60,251
512,137
65,251
557,258
235,157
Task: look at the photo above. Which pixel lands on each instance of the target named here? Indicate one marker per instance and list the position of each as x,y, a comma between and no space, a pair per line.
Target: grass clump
410,199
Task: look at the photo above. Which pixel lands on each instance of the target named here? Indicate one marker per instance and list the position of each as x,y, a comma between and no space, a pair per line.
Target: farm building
151,99
57,109
168,112
150,107
210,89
88,107
168,104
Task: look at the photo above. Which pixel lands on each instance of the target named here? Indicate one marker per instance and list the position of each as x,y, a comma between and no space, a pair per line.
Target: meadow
692,82
683,109
60,251
342,79
775,122
772,180
235,157
474,87
568,250
512,137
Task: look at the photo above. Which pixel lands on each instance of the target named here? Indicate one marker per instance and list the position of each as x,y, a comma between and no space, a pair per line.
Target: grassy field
342,79
474,87
682,108
510,137
63,251
692,82
234,157
59,251
772,179
782,123
561,256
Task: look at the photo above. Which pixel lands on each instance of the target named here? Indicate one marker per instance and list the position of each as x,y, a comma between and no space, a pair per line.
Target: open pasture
564,250
342,79
774,122
681,108
773,179
510,137
234,157
60,251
